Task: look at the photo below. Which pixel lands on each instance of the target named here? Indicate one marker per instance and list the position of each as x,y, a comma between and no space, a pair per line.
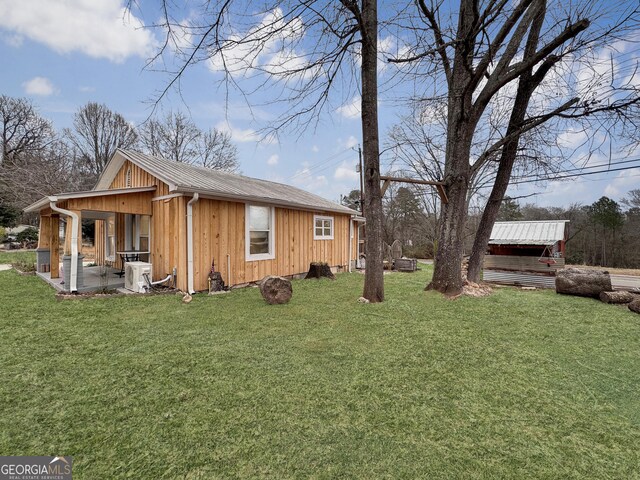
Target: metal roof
185,178
545,232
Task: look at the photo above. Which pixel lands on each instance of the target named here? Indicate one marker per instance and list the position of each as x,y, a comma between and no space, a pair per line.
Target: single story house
181,217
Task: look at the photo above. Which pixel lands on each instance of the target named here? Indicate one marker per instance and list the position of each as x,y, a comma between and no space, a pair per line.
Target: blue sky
62,54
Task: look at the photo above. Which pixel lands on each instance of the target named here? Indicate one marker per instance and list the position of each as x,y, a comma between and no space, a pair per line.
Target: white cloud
306,180
14,40
245,135
268,47
98,28
39,86
624,181
350,142
346,171
350,109
315,149
572,139
273,159
87,89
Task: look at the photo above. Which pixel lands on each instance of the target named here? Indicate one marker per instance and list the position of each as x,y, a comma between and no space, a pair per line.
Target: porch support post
67,236
43,253
79,214
44,232
54,245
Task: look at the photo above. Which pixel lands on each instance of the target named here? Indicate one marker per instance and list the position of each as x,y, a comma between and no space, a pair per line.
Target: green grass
515,385
17,256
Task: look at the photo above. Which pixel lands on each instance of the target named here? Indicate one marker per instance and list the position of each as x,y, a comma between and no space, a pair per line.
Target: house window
323,228
259,232
110,238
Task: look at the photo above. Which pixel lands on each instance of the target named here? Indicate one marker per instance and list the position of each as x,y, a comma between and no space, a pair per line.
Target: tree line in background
37,160
605,233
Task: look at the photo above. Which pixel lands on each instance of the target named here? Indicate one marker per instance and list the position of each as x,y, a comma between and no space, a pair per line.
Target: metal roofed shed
546,232
536,247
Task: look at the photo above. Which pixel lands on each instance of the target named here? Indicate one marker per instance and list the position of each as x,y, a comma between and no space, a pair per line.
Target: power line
327,162
582,174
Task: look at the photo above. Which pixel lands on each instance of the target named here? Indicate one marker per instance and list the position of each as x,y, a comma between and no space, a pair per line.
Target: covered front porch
122,225
95,278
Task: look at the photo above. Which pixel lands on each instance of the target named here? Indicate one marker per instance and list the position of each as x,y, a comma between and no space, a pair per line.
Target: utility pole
361,181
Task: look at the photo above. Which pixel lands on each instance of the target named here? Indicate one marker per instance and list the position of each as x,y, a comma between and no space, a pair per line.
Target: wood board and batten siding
168,225
219,230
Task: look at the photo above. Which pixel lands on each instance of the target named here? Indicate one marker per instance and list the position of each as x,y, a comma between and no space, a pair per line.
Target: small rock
187,298
529,288
363,300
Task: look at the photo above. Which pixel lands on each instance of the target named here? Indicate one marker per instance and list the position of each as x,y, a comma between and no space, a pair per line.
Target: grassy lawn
12,256
515,385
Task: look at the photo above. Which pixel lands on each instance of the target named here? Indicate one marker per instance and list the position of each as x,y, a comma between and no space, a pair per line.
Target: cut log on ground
583,282
635,305
617,297
319,270
276,290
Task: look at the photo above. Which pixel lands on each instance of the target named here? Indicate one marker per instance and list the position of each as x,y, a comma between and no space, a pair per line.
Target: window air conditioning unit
134,276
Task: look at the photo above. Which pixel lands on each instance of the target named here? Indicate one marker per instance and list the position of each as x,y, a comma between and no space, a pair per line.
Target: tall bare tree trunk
461,122
503,176
373,279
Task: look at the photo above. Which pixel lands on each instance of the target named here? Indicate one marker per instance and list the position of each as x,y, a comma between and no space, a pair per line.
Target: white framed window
110,238
322,227
259,232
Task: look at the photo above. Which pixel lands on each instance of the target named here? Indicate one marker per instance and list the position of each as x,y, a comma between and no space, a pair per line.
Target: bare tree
23,129
217,151
495,44
97,133
51,169
175,137
340,40
178,138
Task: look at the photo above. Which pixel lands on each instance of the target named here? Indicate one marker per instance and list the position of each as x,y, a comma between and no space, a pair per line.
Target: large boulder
276,290
617,297
635,305
584,282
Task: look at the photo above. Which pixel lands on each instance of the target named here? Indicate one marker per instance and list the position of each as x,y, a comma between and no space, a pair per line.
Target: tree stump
216,283
617,297
583,282
276,290
635,305
319,270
